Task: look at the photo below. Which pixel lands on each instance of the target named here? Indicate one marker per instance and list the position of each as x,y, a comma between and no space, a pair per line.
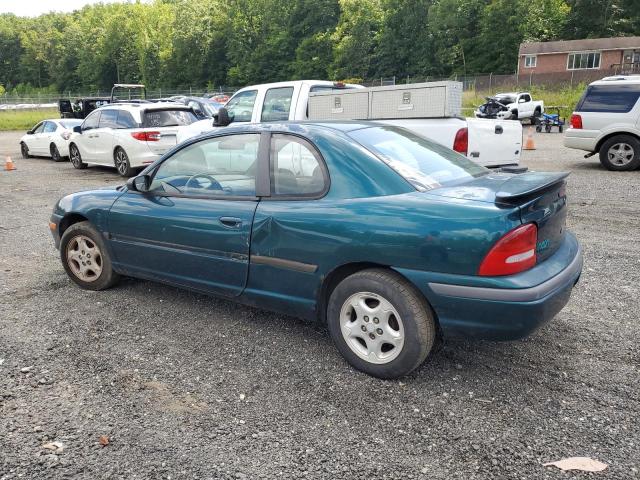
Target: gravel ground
187,386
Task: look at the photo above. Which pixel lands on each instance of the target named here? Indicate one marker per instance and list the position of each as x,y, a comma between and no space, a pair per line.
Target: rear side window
108,119
125,120
50,127
609,98
167,118
296,168
277,103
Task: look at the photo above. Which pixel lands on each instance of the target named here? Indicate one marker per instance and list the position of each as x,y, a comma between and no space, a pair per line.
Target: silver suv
607,121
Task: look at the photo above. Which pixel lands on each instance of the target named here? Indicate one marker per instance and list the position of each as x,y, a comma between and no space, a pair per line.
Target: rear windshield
609,98
167,118
423,163
69,124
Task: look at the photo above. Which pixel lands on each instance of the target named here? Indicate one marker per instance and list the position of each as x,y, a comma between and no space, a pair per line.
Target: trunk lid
540,197
165,122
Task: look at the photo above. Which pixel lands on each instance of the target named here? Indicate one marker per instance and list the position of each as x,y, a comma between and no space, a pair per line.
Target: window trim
585,52
153,169
529,57
321,162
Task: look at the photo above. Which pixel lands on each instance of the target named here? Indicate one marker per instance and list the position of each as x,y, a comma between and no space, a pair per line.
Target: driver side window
91,121
213,167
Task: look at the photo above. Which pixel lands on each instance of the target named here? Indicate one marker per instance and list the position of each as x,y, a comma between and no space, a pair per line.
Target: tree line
177,43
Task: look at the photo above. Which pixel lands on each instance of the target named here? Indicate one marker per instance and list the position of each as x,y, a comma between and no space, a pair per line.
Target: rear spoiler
528,184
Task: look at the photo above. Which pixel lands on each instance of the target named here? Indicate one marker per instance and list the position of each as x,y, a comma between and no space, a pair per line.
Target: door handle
231,222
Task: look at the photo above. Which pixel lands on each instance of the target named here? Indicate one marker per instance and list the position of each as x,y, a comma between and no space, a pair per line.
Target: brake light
66,134
146,136
513,253
576,121
461,142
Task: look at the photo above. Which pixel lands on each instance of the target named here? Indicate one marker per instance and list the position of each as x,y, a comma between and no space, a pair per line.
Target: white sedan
49,138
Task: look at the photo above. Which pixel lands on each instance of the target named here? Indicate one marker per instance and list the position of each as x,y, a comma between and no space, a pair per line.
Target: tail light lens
461,142
66,134
146,136
576,121
513,253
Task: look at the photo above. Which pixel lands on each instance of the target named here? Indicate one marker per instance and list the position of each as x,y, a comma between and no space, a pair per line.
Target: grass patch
25,119
566,98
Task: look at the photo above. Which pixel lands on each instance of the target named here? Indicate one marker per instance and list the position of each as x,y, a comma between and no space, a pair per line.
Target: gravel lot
187,386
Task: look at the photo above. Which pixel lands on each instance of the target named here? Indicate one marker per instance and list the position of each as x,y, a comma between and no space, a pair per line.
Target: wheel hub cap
372,327
621,154
84,258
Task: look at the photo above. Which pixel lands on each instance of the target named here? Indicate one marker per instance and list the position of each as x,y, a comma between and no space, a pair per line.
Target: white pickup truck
491,143
515,106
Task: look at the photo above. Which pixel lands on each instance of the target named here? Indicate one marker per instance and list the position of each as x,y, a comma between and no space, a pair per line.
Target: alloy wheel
620,154
84,258
75,156
55,154
372,327
122,162
24,150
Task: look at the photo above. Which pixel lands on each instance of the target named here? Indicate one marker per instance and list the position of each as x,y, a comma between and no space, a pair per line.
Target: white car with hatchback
606,121
128,136
49,138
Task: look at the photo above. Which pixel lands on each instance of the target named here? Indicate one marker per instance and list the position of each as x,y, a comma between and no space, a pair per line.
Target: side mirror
29,132
77,129
139,184
222,118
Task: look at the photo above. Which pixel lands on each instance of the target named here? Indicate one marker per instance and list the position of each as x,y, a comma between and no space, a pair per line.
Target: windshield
167,118
424,164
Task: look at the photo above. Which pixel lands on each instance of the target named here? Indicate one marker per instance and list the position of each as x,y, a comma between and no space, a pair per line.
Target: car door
525,108
103,137
47,137
34,140
85,141
288,237
192,227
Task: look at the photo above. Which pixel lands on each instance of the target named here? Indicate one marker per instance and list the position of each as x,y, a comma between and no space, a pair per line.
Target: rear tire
76,158
85,257
620,153
24,150
121,161
380,323
55,153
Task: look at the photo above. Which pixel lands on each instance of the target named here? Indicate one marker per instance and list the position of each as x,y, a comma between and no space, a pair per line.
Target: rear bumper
513,311
580,140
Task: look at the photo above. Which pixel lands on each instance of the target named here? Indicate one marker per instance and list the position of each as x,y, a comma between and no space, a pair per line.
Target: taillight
513,253
66,134
146,136
576,121
461,142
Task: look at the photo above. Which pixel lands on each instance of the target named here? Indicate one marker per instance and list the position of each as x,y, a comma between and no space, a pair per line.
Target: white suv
607,121
127,136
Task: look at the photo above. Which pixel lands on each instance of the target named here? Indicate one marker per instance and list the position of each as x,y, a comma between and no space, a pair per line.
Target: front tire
76,158
121,161
620,153
380,323
55,153
85,257
24,150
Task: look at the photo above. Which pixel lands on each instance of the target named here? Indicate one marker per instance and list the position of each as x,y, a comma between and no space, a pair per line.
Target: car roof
144,106
618,80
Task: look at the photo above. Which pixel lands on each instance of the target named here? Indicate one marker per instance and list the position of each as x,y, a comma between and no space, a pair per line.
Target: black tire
538,128
121,162
55,153
69,243
76,158
416,319
630,150
560,128
24,150
547,128
514,115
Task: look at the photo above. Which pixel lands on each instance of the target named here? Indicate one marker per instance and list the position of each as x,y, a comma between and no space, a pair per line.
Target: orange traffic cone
528,143
8,164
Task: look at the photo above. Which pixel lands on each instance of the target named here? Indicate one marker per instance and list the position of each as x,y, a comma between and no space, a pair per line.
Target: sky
33,8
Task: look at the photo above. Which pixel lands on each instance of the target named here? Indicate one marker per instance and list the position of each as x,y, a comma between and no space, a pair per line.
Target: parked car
389,238
203,108
513,105
49,138
127,136
81,107
486,142
606,121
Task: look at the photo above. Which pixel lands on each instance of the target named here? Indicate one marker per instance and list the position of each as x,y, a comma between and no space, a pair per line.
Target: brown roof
579,45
